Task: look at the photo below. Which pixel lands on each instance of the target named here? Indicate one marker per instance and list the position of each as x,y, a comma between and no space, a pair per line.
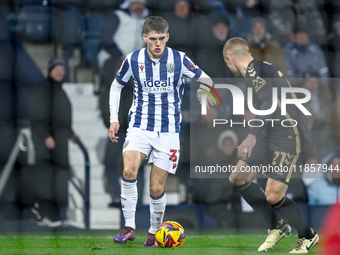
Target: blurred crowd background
90,39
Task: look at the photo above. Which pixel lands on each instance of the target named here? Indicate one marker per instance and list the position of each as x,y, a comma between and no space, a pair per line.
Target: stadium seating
89,36
35,21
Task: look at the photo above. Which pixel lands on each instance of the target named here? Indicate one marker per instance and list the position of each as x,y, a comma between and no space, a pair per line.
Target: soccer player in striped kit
154,120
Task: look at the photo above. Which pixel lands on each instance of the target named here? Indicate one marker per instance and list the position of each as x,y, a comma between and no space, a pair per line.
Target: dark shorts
280,163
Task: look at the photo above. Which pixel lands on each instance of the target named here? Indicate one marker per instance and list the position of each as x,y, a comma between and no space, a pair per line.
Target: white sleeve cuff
204,79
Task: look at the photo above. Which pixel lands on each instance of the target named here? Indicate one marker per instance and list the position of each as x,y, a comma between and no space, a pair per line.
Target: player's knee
233,181
272,199
238,181
129,173
156,190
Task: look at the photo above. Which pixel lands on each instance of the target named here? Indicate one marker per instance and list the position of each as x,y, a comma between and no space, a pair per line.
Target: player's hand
245,148
209,99
113,130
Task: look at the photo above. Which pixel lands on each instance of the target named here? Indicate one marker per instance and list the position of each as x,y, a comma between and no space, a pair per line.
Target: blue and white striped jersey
158,88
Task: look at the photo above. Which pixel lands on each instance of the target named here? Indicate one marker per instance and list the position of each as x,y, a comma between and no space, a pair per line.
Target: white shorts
162,149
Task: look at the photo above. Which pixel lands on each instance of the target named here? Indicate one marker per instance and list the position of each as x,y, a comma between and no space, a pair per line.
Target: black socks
291,212
255,197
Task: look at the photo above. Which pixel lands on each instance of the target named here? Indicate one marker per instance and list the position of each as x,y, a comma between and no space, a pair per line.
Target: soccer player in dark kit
271,144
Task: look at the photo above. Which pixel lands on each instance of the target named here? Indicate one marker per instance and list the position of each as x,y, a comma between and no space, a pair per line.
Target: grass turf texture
101,242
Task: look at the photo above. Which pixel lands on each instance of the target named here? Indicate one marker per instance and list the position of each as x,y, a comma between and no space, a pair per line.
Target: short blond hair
236,46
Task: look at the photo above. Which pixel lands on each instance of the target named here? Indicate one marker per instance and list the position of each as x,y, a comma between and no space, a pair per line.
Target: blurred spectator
329,10
220,200
321,98
332,51
181,27
220,8
285,15
324,191
320,106
120,35
211,34
262,47
243,11
251,8
160,7
67,30
45,185
203,7
103,6
204,147
227,143
302,55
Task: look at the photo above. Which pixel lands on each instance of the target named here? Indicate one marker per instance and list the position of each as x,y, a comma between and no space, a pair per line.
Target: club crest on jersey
157,86
170,67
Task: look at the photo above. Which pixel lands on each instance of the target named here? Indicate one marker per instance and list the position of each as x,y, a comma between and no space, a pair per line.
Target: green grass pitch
101,242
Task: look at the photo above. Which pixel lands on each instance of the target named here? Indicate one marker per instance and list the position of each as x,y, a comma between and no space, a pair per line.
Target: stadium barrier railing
24,142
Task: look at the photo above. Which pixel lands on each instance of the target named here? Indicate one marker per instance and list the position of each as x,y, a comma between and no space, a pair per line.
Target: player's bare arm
113,130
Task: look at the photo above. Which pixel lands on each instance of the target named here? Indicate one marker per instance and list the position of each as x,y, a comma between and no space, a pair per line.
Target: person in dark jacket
302,55
45,184
263,47
210,36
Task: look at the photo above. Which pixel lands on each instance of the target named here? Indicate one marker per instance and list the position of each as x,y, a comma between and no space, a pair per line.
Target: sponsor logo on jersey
157,86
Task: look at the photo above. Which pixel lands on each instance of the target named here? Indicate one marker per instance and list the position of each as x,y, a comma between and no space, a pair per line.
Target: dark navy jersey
263,77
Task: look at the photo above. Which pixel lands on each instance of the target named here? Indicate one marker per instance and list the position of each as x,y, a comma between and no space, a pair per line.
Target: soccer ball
170,234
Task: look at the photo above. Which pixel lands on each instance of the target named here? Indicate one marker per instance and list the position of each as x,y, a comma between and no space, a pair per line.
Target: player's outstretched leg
274,236
126,234
292,213
304,245
255,197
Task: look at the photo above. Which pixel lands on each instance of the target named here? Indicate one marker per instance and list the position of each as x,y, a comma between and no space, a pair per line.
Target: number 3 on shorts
173,156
